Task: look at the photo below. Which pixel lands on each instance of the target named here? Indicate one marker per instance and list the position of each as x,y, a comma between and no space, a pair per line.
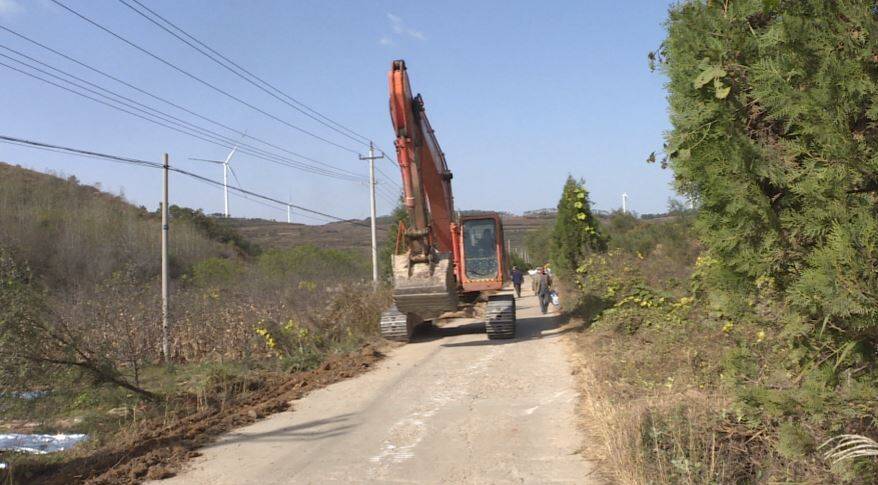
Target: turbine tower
226,169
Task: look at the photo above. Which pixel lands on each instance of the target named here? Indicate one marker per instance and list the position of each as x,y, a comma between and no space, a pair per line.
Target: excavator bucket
425,289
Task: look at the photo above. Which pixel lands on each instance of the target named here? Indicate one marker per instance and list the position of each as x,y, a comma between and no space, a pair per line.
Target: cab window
480,249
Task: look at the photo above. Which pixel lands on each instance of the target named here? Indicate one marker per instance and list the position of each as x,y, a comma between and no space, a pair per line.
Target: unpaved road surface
452,407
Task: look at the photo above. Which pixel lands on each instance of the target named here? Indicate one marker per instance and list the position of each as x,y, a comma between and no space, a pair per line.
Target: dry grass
645,433
649,364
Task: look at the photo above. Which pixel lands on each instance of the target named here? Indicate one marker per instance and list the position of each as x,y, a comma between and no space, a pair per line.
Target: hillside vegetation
72,235
80,314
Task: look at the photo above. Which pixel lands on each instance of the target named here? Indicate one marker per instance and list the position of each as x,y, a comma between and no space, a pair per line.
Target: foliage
671,234
518,261
538,242
74,236
774,134
576,232
311,263
216,272
22,305
772,106
213,228
387,250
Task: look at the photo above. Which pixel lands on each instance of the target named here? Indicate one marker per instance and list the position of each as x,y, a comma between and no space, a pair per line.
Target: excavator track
396,325
500,317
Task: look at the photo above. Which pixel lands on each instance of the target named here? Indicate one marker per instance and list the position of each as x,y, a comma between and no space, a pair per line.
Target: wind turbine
290,209
226,169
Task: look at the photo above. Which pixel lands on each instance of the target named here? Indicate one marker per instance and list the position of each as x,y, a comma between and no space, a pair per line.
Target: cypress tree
774,106
576,232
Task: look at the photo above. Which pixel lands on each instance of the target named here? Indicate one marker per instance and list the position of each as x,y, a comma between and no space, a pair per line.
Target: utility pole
372,159
166,345
624,203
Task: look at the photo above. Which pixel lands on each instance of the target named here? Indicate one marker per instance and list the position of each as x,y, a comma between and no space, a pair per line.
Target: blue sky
521,94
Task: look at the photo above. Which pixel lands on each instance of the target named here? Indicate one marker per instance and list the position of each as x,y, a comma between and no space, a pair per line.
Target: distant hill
336,235
345,235
35,204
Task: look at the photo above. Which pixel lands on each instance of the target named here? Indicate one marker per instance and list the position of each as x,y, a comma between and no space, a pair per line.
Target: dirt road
453,407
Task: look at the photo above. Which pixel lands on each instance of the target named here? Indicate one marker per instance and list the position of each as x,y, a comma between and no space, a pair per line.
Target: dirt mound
161,448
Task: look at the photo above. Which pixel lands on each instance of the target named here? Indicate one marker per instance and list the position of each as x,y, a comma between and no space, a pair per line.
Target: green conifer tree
576,232
774,106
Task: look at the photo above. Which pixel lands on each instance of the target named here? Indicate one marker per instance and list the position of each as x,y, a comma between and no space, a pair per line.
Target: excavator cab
482,253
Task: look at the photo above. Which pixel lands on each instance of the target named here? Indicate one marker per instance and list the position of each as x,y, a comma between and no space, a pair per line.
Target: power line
390,157
389,179
362,138
394,198
270,206
183,125
383,195
200,80
146,163
301,106
347,131
166,101
183,131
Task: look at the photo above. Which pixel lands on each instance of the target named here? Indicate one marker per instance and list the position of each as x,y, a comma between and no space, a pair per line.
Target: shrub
216,272
37,341
538,242
213,228
389,247
22,306
310,263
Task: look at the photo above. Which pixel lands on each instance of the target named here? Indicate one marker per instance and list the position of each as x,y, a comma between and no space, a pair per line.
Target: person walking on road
517,280
544,289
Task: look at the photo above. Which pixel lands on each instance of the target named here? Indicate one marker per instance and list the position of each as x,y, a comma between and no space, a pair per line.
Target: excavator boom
424,281
425,174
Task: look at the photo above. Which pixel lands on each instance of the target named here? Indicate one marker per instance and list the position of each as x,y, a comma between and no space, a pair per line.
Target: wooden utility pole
166,344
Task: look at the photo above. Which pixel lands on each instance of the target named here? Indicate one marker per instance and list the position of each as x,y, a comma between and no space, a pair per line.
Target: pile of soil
160,449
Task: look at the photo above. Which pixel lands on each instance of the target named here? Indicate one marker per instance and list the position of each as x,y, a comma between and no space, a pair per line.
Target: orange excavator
441,259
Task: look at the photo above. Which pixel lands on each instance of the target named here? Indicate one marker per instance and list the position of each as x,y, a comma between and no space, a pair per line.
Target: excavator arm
425,175
425,284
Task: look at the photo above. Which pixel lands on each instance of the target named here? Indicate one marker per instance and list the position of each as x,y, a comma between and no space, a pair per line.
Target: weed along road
451,407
